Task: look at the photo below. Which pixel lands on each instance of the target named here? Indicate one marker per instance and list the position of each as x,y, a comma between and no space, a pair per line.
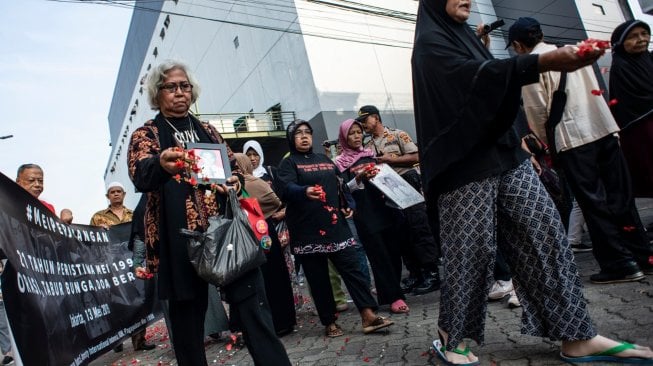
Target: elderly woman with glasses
631,85
154,151
316,216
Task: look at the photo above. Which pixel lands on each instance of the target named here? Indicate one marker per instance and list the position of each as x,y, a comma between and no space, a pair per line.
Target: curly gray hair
158,75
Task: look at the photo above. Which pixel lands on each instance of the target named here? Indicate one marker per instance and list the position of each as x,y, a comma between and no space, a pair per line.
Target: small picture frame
395,187
213,163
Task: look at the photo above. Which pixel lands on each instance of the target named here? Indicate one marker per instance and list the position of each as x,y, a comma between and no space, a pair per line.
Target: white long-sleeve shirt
586,117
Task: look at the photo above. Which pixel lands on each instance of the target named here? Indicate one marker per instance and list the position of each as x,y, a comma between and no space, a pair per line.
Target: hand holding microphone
483,31
487,28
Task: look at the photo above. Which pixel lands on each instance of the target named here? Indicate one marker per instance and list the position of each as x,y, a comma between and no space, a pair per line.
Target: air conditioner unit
223,125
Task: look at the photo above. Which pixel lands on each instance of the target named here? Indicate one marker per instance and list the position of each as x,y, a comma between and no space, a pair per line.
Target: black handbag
228,249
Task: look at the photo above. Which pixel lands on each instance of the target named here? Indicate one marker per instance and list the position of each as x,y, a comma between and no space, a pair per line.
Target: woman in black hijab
631,84
481,184
316,217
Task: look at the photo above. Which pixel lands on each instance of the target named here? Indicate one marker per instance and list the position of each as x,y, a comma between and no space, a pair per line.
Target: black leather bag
228,249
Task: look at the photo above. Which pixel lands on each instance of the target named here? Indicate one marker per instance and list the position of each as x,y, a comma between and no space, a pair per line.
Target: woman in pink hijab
374,219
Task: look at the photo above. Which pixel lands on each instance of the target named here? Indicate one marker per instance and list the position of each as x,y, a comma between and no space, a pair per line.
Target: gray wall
137,45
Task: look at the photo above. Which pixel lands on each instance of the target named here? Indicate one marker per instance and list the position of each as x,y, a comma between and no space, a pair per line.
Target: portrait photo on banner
213,163
395,187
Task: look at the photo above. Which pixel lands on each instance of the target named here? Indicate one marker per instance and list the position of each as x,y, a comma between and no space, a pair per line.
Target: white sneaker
513,301
500,289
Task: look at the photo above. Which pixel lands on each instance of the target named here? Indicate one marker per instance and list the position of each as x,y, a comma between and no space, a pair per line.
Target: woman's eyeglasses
303,132
172,87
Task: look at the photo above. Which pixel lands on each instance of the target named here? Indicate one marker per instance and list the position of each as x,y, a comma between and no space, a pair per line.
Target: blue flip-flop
440,349
609,356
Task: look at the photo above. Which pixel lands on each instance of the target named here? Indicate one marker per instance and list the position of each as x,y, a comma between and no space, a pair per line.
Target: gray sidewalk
622,311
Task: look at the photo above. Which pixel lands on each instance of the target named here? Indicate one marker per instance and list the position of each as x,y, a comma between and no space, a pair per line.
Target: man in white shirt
588,152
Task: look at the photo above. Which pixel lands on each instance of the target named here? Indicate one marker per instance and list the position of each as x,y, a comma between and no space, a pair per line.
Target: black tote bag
228,249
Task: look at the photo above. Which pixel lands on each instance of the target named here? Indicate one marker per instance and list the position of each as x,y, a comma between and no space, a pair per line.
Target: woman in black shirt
316,217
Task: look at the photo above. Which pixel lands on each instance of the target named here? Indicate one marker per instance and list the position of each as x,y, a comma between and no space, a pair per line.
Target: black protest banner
69,290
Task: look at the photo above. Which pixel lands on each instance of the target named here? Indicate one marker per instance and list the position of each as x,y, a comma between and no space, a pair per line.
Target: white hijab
259,171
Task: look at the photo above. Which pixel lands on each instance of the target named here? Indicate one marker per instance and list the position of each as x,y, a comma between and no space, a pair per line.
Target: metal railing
245,123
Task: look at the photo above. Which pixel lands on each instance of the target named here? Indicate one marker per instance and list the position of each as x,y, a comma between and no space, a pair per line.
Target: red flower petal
322,232
366,359
613,102
597,91
650,260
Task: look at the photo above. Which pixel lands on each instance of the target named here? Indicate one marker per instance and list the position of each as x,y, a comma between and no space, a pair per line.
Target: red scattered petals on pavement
347,339
613,102
366,359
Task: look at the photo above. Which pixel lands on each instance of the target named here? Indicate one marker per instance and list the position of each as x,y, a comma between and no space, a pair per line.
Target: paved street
623,311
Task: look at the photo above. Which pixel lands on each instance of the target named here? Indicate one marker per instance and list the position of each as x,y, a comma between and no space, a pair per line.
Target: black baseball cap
521,29
365,111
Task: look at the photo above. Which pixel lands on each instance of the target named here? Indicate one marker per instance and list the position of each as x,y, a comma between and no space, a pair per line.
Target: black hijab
631,78
290,135
463,98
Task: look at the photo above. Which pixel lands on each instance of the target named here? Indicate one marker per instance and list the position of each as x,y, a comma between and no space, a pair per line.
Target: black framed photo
213,163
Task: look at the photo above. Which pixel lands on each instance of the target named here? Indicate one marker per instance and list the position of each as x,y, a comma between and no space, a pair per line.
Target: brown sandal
378,323
333,331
